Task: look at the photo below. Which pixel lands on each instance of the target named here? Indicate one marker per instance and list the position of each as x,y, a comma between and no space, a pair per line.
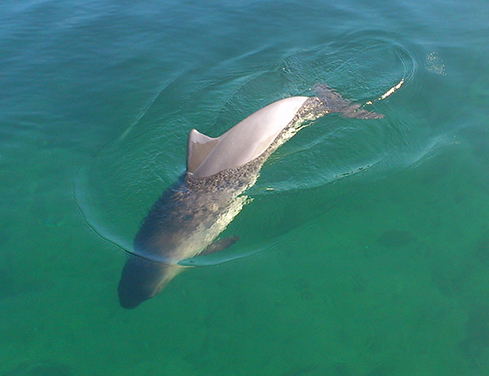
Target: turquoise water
364,249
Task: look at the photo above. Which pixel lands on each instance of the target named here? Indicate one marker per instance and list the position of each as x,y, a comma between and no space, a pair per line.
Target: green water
364,249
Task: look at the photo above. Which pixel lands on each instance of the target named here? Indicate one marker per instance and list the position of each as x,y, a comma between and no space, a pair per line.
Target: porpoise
188,217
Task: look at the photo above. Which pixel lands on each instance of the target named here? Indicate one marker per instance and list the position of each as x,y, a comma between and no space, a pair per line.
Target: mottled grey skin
189,216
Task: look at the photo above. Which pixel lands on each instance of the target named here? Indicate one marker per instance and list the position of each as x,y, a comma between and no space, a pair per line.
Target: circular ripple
117,187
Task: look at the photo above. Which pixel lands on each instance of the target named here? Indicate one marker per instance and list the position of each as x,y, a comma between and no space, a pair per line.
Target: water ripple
374,68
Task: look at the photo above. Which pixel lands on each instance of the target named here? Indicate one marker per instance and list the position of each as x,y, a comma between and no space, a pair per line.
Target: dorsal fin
198,148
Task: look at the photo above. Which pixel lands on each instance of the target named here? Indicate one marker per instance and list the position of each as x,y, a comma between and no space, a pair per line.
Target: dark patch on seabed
476,332
40,368
395,238
337,369
300,371
381,370
481,251
449,279
302,286
9,286
4,238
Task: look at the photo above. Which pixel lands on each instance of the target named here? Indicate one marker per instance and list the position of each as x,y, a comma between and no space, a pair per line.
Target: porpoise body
189,216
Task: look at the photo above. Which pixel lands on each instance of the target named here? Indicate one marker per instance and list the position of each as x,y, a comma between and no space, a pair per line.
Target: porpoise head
142,279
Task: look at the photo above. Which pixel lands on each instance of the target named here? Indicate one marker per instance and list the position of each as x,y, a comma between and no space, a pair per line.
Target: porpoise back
244,142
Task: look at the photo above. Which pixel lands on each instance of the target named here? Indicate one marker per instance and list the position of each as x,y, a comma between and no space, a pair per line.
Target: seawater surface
364,245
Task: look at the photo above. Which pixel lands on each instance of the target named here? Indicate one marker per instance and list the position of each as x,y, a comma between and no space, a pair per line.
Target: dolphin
188,217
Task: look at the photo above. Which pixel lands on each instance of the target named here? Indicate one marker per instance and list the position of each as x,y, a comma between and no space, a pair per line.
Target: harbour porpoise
189,216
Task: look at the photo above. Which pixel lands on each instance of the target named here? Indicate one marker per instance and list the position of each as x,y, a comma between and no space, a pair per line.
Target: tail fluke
335,103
